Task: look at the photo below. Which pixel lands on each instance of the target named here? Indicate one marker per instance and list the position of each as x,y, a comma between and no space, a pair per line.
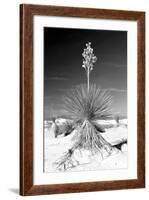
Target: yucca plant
85,108
117,119
85,104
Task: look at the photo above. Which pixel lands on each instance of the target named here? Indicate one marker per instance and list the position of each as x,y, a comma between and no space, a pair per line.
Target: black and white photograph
85,99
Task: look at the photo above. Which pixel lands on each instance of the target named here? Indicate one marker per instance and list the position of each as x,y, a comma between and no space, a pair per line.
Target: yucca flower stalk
88,60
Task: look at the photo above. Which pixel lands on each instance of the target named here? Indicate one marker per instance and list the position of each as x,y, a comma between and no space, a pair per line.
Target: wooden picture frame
27,12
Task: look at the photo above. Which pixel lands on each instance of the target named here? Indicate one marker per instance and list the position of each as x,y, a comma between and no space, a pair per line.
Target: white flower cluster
89,57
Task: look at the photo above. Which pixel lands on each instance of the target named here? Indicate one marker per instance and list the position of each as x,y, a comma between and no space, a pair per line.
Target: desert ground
55,148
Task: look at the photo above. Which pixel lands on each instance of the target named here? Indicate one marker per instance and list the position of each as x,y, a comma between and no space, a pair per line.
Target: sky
63,69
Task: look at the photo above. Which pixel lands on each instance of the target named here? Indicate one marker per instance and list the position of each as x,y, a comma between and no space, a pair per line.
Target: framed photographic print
82,99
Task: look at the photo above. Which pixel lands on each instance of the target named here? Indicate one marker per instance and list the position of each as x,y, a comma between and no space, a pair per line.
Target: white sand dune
56,147
116,134
112,121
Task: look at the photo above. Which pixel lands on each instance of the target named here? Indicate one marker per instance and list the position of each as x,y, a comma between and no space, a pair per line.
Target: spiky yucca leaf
83,105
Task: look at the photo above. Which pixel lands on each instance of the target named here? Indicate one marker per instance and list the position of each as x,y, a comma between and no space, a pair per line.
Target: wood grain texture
26,99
